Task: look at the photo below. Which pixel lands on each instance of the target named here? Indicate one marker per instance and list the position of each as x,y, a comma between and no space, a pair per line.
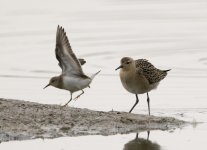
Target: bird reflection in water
141,144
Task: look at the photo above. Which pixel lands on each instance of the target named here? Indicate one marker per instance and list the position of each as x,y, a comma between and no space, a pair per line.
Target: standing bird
139,77
72,78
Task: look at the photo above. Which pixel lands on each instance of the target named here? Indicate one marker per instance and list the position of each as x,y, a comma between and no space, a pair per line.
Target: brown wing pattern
151,73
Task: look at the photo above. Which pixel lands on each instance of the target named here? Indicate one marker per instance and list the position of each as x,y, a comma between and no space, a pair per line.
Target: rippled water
172,34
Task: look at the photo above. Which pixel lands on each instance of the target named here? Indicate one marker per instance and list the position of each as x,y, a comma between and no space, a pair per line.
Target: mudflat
22,120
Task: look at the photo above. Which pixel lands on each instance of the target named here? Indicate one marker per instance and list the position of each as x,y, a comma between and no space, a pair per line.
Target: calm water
172,34
189,138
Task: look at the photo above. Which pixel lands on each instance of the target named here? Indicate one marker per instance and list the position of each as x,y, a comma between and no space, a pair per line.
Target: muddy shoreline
22,120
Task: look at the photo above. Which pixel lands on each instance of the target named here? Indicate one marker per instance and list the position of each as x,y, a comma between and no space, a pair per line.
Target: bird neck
60,82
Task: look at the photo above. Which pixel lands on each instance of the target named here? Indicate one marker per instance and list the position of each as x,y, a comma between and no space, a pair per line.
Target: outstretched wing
151,73
81,60
68,62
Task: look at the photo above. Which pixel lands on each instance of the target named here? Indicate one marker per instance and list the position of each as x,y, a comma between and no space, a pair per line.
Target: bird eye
128,62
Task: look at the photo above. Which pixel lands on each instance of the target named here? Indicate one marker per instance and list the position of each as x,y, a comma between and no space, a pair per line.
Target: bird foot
65,105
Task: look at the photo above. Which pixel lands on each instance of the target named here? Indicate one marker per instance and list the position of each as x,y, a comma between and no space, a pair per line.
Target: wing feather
151,73
68,62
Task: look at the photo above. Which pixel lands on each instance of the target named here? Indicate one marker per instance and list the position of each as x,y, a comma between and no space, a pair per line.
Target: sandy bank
21,120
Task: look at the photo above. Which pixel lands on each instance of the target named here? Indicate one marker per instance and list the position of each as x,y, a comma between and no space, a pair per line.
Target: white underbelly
75,84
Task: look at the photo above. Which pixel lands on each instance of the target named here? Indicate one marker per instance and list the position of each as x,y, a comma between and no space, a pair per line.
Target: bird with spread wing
72,77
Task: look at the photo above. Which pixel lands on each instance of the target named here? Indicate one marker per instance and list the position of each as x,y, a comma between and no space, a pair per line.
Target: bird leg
148,133
137,136
69,100
148,102
137,100
79,95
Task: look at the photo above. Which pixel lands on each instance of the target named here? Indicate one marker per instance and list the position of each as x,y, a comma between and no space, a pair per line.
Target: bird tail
164,73
166,70
92,77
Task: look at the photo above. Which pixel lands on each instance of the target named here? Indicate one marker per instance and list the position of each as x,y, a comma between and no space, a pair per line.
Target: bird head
54,81
126,63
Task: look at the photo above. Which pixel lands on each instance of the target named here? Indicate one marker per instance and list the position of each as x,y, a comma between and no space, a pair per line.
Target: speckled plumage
139,77
152,74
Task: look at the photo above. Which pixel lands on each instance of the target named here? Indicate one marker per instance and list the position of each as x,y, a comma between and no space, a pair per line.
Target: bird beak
119,67
46,86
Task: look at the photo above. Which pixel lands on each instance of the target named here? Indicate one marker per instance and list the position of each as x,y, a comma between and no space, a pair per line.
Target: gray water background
171,34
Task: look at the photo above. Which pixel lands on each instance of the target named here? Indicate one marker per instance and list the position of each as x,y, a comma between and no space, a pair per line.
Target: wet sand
22,120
